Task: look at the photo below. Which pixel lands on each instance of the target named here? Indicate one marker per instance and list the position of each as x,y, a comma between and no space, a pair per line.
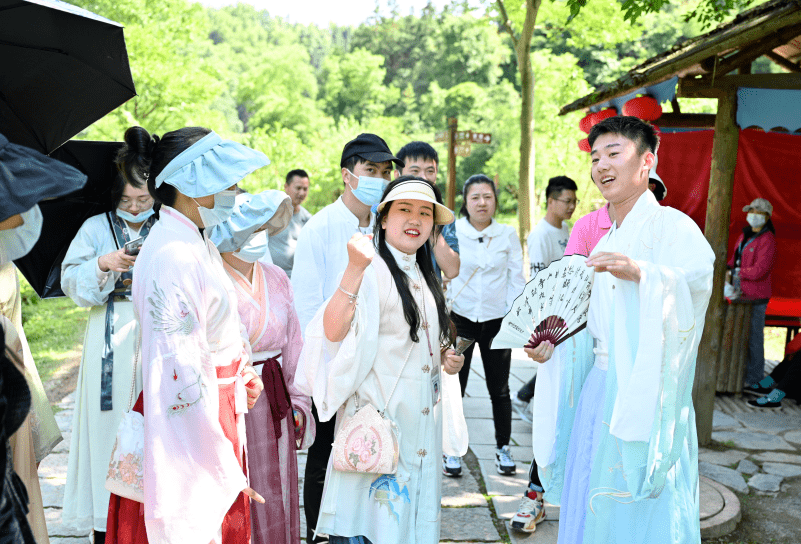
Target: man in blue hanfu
618,448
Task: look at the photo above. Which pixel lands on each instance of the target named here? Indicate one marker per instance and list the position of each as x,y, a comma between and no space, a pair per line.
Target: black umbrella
62,217
61,69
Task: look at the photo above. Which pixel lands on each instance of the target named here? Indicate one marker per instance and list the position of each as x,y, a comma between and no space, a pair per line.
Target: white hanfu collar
404,261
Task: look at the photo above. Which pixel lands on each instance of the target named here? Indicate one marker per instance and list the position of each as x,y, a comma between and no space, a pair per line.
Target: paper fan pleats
553,306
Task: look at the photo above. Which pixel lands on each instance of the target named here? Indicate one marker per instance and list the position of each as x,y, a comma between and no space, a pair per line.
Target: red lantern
604,114
584,145
593,118
643,107
587,122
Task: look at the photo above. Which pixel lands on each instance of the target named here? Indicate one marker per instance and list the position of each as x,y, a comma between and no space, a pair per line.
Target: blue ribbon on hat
210,165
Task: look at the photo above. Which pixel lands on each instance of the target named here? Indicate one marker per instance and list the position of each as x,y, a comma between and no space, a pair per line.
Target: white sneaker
522,408
530,512
504,462
451,465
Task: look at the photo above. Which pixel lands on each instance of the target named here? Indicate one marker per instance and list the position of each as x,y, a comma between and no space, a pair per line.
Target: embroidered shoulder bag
368,440
125,476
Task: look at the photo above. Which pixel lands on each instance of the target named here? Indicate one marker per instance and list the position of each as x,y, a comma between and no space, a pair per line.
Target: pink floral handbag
125,476
368,440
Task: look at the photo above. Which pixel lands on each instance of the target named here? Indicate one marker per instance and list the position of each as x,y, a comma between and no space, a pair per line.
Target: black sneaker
451,465
756,389
768,401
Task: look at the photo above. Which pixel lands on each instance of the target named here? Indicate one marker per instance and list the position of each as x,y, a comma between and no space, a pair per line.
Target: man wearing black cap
320,257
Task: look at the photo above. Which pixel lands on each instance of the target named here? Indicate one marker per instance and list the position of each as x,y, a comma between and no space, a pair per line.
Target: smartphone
133,247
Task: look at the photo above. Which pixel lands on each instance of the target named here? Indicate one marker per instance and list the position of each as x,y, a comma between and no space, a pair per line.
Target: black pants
496,370
314,477
526,393
787,376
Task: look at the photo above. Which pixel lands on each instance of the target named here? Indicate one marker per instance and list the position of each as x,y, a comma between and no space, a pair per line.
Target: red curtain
768,166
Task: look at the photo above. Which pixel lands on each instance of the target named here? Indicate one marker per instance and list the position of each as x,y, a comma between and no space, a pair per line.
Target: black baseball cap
370,148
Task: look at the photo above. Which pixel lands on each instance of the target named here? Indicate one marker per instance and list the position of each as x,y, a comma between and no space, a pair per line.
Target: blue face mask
138,218
369,190
255,247
224,202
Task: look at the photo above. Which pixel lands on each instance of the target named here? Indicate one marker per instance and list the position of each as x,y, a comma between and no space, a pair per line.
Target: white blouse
491,272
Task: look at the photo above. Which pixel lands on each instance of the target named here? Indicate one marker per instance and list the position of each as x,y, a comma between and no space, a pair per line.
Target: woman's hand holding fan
553,306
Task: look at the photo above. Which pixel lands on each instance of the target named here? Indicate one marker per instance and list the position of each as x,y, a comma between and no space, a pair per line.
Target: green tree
280,90
354,86
176,84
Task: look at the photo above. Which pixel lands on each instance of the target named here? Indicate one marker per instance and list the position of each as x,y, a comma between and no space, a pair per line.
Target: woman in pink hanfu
281,421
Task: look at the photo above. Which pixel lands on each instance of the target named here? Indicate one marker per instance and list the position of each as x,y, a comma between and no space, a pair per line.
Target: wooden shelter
716,65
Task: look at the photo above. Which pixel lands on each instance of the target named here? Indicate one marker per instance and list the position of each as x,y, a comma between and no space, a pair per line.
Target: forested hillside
298,92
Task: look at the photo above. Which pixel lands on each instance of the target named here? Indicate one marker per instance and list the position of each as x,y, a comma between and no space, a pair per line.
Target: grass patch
721,446
54,329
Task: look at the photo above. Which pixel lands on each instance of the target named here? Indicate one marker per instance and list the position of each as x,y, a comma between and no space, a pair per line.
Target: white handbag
125,476
368,440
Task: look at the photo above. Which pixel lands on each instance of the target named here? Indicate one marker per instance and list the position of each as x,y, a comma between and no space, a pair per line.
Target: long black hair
410,308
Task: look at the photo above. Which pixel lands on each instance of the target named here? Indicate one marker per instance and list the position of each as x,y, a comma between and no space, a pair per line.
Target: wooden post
450,192
718,218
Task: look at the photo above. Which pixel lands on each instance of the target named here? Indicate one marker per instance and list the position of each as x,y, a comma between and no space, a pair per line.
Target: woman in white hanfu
281,422
194,352
382,331
97,273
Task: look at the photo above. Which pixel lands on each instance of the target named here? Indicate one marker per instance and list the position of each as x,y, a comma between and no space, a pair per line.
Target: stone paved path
477,506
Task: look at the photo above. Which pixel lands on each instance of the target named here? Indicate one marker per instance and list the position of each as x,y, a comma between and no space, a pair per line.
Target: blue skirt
584,441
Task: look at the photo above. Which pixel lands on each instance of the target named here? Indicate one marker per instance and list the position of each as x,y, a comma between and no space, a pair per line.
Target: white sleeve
330,372
81,277
308,277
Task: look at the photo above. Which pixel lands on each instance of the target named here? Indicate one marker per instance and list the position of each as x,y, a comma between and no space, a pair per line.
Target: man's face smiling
421,168
617,169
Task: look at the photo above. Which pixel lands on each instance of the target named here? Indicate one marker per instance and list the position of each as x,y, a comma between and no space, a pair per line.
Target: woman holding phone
97,273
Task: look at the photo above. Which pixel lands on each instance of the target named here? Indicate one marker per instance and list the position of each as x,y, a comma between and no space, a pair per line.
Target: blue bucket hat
251,212
210,165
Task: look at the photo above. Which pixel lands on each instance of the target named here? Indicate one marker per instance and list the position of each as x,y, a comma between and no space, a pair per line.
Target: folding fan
553,306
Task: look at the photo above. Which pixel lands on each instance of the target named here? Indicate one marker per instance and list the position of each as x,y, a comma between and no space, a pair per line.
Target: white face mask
224,202
254,248
17,242
756,220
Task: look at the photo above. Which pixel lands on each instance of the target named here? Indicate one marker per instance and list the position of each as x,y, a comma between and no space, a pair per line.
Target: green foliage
354,86
54,329
300,92
279,91
706,12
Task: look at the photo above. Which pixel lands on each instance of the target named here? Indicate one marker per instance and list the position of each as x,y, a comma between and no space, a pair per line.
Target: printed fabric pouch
368,440
125,476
